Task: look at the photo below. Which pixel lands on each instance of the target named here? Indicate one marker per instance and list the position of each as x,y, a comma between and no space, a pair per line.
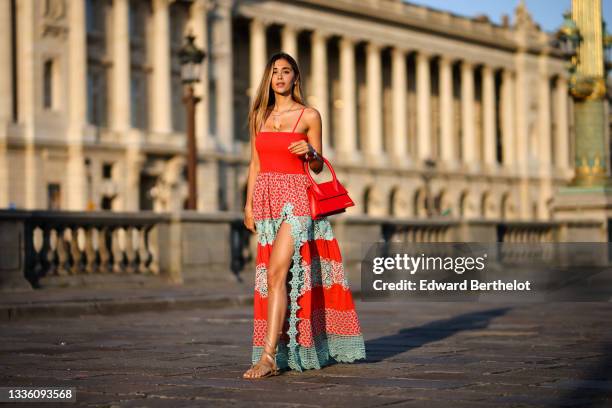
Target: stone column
258,53
448,148
522,125
544,118
6,101
522,134
289,41
423,90
508,135
399,144
373,143
76,182
561,135
27,100
199,11
134,161
161,118
6,88
468,139
121,101
544,145
221,58
489,116
347,143
319,79
199,25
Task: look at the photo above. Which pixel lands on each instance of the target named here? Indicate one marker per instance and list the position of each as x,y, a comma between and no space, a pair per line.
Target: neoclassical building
424,112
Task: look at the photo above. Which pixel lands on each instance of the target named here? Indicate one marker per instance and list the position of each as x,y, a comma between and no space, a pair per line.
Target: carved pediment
54,22
523,20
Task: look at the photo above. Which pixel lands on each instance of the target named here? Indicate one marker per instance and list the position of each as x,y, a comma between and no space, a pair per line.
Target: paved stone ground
114,299
419,355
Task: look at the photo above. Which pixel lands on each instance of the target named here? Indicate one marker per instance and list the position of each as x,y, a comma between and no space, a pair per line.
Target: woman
322,325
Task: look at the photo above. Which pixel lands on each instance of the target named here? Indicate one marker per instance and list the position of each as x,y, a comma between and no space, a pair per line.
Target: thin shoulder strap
296,123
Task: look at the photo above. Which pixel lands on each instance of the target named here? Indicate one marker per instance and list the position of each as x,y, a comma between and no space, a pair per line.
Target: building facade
424,112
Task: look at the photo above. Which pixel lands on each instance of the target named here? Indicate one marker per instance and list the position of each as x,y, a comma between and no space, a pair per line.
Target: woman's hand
249,221
300,147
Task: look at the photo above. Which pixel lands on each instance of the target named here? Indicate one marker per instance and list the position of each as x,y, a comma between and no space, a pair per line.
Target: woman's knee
276,278
280,259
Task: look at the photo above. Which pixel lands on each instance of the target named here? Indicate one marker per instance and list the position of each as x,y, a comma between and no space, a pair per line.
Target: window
53,196
107,171
96,96
134,93
178,22
48,84
136,21
139,12
97,13
94,16
107,203
91,108
90,16
138,96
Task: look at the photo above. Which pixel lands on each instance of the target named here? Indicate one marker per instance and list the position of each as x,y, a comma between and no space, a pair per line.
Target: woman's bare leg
278,269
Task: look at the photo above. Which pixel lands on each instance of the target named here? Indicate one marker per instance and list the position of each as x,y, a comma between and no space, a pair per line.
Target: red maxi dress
321,324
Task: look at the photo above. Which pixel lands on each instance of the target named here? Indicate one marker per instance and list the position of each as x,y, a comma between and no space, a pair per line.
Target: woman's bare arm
253,171
313,119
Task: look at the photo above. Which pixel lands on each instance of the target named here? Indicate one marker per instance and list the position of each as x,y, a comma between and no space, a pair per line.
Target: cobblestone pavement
419,355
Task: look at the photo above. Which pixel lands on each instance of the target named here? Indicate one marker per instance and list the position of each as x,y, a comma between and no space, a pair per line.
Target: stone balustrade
45,245
522,232
69,248
61,248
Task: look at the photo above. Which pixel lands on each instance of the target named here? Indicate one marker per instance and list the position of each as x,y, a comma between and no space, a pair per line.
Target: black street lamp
428,174
191,58
90,203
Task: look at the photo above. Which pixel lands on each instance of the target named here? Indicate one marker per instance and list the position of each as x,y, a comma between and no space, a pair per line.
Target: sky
547,13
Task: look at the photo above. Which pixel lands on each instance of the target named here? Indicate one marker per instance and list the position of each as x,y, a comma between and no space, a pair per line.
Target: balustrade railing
69,249
73,243
195,247
418,231
523,232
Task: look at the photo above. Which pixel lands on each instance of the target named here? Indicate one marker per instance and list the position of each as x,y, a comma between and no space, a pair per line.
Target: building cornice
441,23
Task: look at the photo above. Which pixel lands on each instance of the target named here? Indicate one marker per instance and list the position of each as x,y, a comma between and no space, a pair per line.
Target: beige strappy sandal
273,369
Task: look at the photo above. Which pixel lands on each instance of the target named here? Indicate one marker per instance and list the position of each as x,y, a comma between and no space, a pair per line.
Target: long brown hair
264,98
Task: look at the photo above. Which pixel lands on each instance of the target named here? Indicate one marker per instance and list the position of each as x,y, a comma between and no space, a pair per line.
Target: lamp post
90,203
191,57
428,173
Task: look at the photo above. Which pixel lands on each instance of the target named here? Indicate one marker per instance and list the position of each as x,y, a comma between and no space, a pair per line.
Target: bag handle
328,164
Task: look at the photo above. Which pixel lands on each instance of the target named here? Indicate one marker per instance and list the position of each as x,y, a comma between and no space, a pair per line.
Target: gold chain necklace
276,122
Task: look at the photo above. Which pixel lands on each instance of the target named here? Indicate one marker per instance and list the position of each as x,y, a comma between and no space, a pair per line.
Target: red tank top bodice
274,154
273,151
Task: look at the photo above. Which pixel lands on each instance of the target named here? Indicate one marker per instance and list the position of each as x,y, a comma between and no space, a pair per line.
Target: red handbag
327,198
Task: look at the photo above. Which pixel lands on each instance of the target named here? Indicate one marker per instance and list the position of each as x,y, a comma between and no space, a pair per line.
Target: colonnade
478,139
